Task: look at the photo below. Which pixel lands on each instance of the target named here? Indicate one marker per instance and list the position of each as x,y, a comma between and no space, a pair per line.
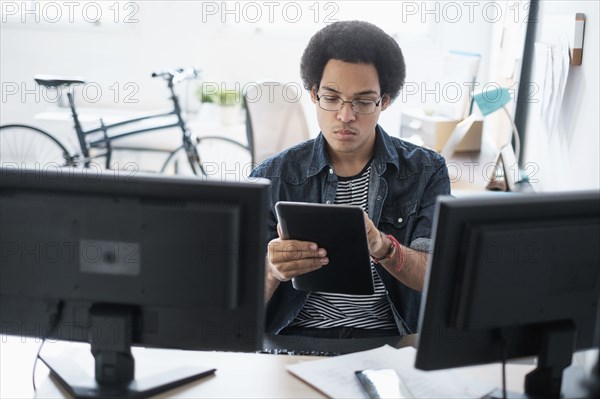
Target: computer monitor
512,275
119,259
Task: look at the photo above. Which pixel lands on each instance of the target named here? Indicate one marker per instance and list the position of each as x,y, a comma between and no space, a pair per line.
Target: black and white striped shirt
326,310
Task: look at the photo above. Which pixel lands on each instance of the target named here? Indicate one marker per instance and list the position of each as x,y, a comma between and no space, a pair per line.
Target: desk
238,374
470,171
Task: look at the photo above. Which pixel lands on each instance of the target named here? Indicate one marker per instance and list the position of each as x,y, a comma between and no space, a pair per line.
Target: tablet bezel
340,229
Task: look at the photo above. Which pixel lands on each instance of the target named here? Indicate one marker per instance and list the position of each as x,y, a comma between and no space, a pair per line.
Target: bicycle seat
177,74
56,81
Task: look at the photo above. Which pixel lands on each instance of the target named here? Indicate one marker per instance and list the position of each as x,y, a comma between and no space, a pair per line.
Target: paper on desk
334,376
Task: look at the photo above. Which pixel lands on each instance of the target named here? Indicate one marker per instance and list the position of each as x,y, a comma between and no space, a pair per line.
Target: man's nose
346,114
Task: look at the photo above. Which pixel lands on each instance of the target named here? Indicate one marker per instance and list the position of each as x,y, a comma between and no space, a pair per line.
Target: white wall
118,57
567,155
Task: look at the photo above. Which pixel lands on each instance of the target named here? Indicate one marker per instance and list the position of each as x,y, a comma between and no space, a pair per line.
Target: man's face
346,131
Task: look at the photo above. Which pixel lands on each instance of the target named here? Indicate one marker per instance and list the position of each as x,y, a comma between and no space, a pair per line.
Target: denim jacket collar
382,154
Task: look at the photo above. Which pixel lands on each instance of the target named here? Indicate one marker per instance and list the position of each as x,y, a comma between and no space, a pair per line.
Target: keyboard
310,346
276,351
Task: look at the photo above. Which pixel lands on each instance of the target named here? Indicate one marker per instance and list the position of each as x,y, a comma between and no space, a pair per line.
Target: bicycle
26,145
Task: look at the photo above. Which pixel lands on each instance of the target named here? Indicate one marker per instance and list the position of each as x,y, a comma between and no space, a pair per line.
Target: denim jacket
404,184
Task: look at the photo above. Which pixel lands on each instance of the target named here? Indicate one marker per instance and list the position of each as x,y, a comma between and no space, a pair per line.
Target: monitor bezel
442,345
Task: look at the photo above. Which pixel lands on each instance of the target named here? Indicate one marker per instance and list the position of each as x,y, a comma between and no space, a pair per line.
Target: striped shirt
326,310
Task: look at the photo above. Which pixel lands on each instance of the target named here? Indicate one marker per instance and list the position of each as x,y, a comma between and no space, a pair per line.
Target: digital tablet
340,229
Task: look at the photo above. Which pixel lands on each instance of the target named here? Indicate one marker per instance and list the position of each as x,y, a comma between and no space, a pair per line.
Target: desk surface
238,374
470,171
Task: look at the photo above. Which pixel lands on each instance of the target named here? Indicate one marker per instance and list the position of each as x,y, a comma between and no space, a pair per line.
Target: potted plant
228,101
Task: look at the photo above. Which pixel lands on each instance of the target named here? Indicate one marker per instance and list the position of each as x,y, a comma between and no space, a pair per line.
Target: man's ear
313,94
385,101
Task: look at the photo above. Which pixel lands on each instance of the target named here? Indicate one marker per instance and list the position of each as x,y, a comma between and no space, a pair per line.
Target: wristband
393,248
390,252
400,262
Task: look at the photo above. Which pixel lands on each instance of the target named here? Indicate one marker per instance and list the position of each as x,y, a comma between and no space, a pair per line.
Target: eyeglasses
359,106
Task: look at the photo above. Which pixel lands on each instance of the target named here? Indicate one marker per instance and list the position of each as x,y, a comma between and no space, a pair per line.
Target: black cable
504,346
54,316
37,356
504,378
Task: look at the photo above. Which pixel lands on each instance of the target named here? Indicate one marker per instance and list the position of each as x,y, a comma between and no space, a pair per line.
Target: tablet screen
340,229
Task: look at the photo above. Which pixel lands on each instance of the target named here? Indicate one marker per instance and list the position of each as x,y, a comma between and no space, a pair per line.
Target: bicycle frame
107,140
83,157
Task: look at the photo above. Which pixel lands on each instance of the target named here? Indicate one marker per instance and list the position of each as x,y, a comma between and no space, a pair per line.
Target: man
353,71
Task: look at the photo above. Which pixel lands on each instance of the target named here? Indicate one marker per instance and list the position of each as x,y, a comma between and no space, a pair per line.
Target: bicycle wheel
221,159
25,146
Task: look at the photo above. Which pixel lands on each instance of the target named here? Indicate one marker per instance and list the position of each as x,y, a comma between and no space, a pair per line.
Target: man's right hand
290,258
287,259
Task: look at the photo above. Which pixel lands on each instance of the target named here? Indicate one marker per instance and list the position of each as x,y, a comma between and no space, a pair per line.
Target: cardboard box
435,130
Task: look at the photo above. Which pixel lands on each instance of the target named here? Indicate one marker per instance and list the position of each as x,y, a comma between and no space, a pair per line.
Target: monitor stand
114,362
556,352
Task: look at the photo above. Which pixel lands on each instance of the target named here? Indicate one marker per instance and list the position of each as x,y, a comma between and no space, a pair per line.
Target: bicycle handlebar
177,74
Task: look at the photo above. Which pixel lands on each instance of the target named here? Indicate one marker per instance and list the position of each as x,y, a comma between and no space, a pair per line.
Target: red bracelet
396,244
390,252
394,247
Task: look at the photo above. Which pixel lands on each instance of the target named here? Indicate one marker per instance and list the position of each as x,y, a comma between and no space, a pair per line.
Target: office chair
275,119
